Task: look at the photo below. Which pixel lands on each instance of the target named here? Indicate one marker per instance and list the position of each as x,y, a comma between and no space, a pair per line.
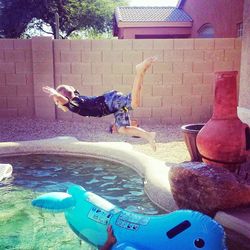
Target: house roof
151,14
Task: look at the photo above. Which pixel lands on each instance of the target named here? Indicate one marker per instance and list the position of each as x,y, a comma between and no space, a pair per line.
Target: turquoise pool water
23,227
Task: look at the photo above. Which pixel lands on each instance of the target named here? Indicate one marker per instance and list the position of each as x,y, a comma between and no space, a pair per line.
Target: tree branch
71,30
47,32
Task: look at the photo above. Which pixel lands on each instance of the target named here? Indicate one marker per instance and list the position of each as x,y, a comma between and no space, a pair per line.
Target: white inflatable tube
5,171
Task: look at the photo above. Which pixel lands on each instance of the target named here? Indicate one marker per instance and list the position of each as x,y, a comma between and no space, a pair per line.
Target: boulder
207,188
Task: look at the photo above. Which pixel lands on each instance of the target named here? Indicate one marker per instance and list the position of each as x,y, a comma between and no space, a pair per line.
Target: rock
207,188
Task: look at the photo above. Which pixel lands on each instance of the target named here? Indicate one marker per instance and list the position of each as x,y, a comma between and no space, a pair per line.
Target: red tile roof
151,14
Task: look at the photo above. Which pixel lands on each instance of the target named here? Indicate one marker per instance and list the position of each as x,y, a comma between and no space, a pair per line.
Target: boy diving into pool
112,102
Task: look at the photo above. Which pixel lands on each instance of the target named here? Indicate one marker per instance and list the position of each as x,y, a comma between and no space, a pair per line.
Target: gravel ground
170,144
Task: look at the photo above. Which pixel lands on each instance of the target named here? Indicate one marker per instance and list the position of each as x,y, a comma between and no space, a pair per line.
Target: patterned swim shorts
119,104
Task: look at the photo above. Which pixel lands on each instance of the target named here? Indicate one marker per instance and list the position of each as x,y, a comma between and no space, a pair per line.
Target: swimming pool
23,227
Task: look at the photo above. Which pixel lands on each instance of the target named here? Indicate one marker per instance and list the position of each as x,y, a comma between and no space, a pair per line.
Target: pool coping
153,171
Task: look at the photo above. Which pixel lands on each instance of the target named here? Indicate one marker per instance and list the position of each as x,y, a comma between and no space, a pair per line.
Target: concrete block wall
16,78
177,89
43,75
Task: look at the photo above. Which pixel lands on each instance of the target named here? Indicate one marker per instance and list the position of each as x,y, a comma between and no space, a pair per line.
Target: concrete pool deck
95,141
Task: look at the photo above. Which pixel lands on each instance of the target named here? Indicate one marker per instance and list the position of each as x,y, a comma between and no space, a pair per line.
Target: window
206,31
239,29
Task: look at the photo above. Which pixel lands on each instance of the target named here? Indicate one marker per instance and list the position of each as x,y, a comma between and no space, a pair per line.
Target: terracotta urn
223,139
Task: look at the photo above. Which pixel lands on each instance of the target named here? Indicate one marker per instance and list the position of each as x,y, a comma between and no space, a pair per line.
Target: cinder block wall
177,89
16,78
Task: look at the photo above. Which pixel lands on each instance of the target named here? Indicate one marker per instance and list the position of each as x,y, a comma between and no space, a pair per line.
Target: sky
153,2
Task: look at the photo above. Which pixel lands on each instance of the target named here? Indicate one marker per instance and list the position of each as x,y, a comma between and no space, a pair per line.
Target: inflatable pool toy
88,215
5,171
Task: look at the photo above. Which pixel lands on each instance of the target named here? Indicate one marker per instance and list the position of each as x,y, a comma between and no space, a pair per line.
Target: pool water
24,227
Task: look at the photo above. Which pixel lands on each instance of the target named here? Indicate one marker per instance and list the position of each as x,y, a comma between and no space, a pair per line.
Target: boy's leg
125,128
135,131
141,69
122,121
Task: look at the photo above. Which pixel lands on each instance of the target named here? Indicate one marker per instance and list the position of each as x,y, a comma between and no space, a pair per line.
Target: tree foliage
17,15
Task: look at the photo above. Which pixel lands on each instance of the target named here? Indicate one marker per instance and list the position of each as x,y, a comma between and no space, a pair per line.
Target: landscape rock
207,188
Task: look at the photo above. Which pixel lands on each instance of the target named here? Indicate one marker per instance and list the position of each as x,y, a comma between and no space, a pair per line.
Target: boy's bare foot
143,66
151,140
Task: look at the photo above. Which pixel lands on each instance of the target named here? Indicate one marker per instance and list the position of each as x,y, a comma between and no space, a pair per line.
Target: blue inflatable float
88,215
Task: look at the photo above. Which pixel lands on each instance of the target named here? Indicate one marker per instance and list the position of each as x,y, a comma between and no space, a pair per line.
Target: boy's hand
49,91
111,238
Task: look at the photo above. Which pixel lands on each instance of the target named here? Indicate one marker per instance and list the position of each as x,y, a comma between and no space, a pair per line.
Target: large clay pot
222,141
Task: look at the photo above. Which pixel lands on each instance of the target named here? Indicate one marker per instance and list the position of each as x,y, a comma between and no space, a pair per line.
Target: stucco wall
177,89
131,33
222,14
244,100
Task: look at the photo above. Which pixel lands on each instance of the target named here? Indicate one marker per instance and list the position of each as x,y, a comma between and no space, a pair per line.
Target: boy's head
66,90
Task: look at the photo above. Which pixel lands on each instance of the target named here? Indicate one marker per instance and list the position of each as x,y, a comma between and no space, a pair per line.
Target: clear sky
153,2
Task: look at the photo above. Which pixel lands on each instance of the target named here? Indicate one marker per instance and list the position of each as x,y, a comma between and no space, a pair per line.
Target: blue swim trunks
119,104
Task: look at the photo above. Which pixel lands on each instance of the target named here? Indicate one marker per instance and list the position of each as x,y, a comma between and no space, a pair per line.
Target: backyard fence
177,89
